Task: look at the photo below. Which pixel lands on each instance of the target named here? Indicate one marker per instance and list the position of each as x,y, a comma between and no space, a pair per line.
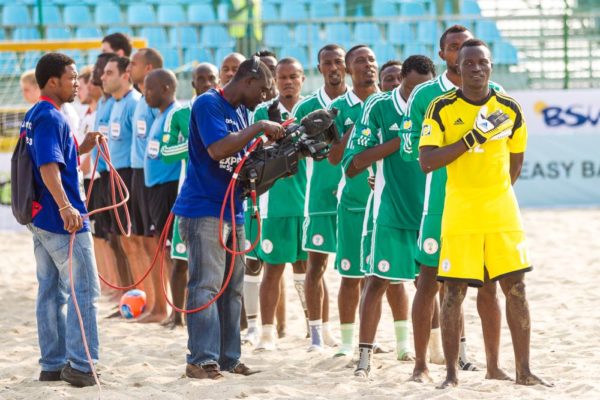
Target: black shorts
160,200
125,174
100,222
140,215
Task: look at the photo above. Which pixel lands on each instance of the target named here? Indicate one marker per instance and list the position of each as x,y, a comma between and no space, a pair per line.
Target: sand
148,362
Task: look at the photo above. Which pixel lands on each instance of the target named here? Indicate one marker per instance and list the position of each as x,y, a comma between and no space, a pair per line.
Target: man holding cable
218,134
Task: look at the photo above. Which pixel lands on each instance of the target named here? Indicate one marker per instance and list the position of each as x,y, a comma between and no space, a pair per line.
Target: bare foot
152,318
448,383
498,375
531,380
167,321
420,376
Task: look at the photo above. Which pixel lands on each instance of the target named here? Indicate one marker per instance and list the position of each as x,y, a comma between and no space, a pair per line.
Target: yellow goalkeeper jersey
479,193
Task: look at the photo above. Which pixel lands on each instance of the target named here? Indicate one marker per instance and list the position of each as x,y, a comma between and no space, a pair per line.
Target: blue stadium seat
2,35
185,36
299,53
77,56
107,14
470,7
427,32
30,59
400,33
156,36
367,32
221,53
65,2
338,32
384,8
411,49
124,29
198,13
323,9
487,30
88,32
77,15
412,9
215,36
385,52
306,34
467,23
15,14
50,15
21,33
58,33
277,35
505,53
198,55
170,57
269,12
92,56
170,14
140,14
293,11
8,63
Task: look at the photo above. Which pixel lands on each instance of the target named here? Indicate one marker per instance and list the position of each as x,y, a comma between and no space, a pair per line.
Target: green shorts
251,230
281,240
393,253
178,248
319,234
366,236
428,245
349,234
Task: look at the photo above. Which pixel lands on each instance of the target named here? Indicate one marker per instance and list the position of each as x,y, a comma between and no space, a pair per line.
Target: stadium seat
107,14
156,36
58,33
412,9
198,13
77,56
215,36
467,23
2,34
367,32
299,53
221,53
88,32
323,9
124,29
15,15
269,12
306,34
338,32
411,49
293,11
427,32
170,57
9,63
185,36
385,52
140,14
196,54
170,14
400,33
470,7
30,59
505,53
21,33
277,35
77,15
92,56
384,8
50,15
487,30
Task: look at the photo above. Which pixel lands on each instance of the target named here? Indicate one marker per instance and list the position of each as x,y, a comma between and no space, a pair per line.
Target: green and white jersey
286,197
174,143
352,193
322,177
418,102
398,197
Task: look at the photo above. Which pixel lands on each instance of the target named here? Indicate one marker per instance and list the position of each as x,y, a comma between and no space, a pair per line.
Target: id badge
153,148
141,128
115,130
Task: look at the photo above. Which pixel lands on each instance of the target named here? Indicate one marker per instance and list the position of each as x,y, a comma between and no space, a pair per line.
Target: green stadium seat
385,52
400,33
15,15
88,32
323,9
58,33
215,36
196,54
269,12
293,11
198,13
338,32
487,30
107,14
50,15
306,34
140,14
170,14
412,9
77,15
298,52
155,35
21,33
277,35
384,8
367,32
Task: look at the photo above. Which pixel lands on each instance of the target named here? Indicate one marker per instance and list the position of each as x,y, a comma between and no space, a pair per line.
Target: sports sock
316,328
436,355
299,286
462,350
401,330
365,350
267,338
347,332
251,291
328,338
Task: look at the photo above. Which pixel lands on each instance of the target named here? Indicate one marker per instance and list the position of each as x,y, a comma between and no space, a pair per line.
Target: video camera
311,138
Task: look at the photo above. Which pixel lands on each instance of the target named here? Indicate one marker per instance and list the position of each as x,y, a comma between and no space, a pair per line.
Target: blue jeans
59,333
213,333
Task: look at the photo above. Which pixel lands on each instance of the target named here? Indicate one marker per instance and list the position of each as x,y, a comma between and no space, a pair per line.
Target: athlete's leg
314,288
280,313
159,311
398,300
250,300
178,286
348,298
299,268
269,297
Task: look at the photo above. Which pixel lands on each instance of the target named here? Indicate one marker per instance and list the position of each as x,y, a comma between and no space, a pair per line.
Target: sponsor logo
446,265
459,121
166,138
229,163
318,240
426,131
430,246
394,127
574,115
366,132
407,125
383,266
180,248
267,246
345,264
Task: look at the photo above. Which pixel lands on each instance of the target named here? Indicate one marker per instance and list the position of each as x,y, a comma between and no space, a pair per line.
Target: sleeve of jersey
431,134
47,142
170,148
210,120
363,137
409,149
517,143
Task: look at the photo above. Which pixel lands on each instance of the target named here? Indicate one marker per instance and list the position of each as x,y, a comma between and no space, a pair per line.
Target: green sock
401,330
347,331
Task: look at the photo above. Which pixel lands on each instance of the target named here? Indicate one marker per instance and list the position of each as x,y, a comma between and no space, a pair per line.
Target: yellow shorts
466,257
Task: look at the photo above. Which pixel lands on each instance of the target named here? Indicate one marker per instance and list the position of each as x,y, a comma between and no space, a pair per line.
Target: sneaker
313,348
243,369
209,371
361,373
49,376
465,365
265,345
77,378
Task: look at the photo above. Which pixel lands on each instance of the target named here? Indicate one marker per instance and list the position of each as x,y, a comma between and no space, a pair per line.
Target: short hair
352,50
254,68
28,77
473,43
152,57
51,65
388,64
328,47
119,41
289,60
423,65
164,76
86,73
122,63
452,29
265,53
101,62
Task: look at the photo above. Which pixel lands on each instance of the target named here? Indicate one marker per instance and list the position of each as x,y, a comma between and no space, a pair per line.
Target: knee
350,284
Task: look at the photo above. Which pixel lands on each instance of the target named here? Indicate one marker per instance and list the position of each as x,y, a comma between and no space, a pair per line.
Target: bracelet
64,207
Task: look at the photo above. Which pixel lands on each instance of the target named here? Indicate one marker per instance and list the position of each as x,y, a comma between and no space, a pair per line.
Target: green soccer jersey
418,103
322,177
174,143
398,197
286,197
353,193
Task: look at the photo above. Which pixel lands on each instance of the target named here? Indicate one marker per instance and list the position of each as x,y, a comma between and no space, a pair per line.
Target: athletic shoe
313,348
361,373
465,365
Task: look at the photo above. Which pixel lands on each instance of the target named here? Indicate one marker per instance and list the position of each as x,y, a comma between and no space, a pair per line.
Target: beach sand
148,362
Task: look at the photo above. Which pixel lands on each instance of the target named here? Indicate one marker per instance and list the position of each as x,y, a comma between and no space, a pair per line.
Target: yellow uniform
481,224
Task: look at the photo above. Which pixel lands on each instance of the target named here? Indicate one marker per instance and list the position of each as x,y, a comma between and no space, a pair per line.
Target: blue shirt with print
206,180
120,129
143,117
156,171
50,140
105,105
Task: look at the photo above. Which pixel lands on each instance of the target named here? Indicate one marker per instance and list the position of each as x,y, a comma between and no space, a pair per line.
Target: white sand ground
148,362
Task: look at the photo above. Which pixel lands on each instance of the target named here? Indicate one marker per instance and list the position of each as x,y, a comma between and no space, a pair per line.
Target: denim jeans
213,333
59,333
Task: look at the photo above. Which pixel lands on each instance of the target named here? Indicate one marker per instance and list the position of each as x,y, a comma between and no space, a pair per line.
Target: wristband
64,207
470,140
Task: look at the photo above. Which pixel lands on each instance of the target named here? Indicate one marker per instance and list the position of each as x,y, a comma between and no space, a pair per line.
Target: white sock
328,338
251,291
462,350
316,332
436,354
267,338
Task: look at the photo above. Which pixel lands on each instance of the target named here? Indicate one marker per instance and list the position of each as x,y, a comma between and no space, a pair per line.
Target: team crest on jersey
407,125
345,264
431,246
318,240
394,127
180,248
426,131
383,266
166,138
366,132
267,246
446,265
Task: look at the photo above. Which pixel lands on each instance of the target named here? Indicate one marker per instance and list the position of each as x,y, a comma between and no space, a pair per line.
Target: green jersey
286,197
418,102
322,177
174,143
353,193
398,197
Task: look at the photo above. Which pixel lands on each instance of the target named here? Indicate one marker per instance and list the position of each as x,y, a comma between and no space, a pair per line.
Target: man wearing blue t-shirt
59,189
218,134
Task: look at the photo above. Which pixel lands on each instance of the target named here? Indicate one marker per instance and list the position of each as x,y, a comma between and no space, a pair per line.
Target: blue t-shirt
50,140
156,171
105,105
120,129
143,117
206,181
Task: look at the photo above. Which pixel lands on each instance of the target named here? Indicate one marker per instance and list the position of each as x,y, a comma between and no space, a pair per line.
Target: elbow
351,172
334,159
215,153
426,167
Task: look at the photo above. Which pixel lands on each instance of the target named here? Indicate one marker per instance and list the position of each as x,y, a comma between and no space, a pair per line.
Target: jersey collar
324,98
49,100
282,108
445,83
352,99
399,104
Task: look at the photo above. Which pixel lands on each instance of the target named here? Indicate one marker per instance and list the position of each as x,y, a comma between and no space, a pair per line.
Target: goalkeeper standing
482,232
